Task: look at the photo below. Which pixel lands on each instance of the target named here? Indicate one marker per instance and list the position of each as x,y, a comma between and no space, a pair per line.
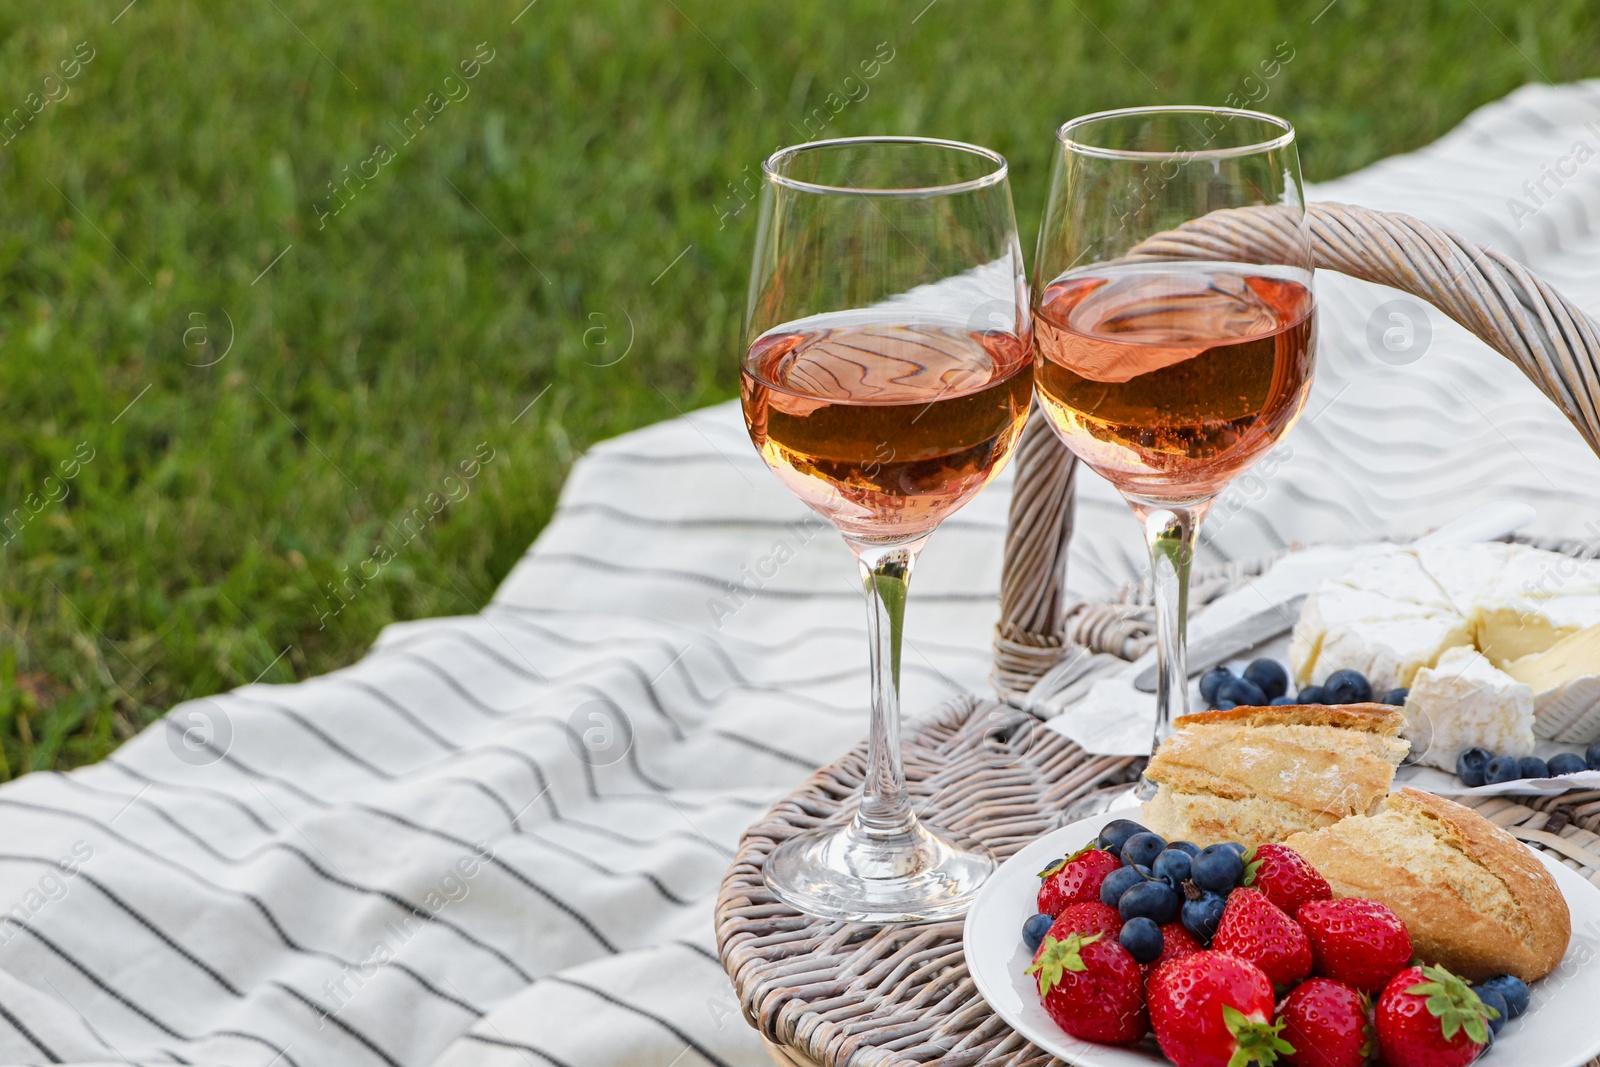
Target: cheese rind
1398,575
1465,571
1465,701
1534,575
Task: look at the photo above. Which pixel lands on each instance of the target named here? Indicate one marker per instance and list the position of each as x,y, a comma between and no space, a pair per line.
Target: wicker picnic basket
851,995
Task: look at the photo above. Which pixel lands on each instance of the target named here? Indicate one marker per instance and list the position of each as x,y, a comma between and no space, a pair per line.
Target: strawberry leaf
1453,1002
1257,1042
1063,861
1251,866
1056,958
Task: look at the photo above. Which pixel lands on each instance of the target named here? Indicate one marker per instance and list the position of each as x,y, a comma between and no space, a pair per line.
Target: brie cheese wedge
1532,574
1565,680
1509,629
1342,611
1465,571
1462,701
1398,575
1389,651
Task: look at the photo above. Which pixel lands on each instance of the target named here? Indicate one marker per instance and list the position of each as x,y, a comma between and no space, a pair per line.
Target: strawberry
1212,1009
1355,941
1075,879
1176,943
1287,879
1253,928
1090,986
1090,917
1427,1017
1328,1023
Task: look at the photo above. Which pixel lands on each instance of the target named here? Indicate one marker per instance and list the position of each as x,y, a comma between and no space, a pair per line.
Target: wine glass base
921,874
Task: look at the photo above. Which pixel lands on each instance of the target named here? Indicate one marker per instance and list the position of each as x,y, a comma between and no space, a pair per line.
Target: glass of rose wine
1174,326
886,378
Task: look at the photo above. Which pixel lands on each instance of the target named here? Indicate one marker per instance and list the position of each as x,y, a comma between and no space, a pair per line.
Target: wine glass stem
885,575
1170,532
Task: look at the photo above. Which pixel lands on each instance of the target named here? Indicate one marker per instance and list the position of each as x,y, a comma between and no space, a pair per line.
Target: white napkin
1433,780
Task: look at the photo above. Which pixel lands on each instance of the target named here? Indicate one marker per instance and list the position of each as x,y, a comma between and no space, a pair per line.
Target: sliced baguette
1255,775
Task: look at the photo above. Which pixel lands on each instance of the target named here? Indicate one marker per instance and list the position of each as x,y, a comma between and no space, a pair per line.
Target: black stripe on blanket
705,1053
28,1035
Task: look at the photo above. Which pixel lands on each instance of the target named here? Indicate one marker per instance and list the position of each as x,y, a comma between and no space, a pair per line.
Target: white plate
1559,1028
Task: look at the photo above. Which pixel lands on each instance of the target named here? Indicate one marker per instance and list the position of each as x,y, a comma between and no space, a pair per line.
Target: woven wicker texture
849,995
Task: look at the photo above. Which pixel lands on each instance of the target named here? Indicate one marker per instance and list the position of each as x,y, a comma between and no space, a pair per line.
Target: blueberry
1566,763
1268,676
1238,848
1117,883
1115,834
1471,764
1217,868
1187,847
1312,694
1397,697
1172,867
1592,757
1211,681
1347,687
1532,767
1283,701
1142,938
1141,850
1155,900
1514,989
1226,705
1500,770
1491,998
1200,917
1034,929
1241,692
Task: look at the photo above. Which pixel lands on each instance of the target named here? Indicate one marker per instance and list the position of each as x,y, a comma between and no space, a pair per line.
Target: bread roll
1255,775
1472,897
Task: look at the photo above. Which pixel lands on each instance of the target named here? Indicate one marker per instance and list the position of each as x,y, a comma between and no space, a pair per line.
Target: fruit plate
1558,1029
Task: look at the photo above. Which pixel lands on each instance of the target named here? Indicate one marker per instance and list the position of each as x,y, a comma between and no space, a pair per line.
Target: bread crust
1444,927
1385,719
1531,885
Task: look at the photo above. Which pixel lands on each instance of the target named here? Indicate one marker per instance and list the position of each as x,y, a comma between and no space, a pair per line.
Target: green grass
481,268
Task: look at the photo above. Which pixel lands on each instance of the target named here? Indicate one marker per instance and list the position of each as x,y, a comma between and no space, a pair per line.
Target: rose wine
885,428
1171,379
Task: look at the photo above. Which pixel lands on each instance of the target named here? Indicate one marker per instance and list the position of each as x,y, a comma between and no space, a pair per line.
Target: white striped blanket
497,839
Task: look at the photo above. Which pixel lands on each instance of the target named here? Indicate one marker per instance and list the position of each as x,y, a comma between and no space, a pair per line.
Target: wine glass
886,378
1174,327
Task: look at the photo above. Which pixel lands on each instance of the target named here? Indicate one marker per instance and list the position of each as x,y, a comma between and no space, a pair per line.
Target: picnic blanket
497,839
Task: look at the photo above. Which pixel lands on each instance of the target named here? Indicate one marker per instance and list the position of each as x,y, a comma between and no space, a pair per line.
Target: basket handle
1498,299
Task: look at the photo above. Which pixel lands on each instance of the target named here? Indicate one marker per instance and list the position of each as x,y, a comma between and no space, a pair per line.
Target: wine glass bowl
886,378
883,427
1174,321
1171,380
